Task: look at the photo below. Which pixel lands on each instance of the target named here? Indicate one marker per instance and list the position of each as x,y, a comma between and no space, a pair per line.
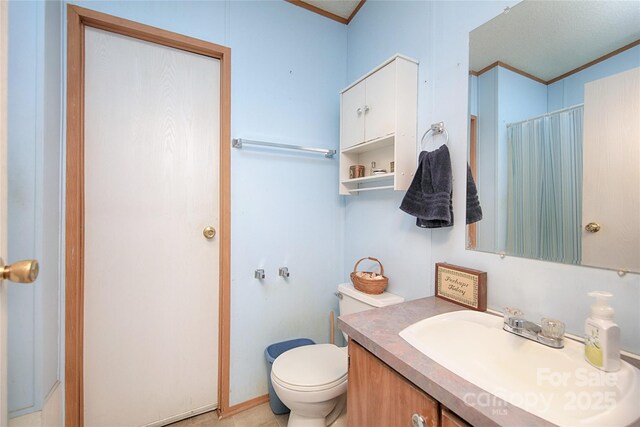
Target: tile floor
260,416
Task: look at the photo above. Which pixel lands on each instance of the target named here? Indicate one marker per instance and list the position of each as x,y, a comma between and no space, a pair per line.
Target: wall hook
283,272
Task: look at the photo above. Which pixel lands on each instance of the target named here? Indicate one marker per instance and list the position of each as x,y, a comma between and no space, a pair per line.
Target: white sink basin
557,385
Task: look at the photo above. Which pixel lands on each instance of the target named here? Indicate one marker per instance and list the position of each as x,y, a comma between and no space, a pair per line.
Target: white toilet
312,380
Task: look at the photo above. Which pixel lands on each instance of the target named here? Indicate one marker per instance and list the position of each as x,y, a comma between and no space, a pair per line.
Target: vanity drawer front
378,396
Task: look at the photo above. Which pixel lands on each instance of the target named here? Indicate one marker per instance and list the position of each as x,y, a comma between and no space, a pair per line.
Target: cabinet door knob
366,108
418,421
359,111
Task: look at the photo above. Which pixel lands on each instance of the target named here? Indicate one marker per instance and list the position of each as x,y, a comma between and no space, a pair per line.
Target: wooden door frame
472,230
77,19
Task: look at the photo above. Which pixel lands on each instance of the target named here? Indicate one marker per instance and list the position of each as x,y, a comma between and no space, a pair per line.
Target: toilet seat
294,387
311,368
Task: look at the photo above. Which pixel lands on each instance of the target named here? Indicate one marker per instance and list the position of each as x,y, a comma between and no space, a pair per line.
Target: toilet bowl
312,380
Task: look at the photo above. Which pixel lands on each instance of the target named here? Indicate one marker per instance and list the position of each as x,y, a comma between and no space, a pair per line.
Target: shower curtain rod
562,110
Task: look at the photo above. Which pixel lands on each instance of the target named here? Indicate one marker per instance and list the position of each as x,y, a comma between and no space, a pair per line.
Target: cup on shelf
356,171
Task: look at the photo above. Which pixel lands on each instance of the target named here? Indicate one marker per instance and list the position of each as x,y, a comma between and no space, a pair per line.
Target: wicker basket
368,285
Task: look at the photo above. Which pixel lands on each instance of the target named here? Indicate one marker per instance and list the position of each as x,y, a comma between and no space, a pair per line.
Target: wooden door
352,116
378,396
380,103
152,117
611,173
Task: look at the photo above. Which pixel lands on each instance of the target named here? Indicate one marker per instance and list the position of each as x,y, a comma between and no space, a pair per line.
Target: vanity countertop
377,330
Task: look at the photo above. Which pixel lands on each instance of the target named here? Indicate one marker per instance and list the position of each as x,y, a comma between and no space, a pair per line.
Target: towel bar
239,142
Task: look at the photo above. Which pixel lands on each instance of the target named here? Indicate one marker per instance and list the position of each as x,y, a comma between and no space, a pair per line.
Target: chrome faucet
549,333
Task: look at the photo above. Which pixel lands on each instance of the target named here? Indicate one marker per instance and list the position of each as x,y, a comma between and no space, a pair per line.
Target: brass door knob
209,232
592,227
20,272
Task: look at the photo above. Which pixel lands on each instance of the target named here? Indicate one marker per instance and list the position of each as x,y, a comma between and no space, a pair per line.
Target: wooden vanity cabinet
449,419
378,396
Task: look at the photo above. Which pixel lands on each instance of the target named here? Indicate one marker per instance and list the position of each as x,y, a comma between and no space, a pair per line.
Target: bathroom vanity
465,370
390,378
378,395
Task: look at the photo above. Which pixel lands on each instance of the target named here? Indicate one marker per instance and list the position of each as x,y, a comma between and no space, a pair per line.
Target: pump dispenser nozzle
601,308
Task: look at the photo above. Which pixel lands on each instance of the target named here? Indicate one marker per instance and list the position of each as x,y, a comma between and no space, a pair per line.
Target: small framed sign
462,286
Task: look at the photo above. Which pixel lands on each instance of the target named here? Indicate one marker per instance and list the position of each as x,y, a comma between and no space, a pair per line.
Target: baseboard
189,414
241,407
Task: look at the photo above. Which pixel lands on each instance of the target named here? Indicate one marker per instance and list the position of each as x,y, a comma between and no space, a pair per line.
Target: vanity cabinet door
449,419
378,396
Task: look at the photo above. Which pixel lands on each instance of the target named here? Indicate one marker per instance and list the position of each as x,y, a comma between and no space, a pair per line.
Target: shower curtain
545,187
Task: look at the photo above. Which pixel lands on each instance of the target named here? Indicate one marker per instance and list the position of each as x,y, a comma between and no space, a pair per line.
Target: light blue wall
539,288
288,65
34,200
374,226
570,90
285,208
206,20
513,88
473,95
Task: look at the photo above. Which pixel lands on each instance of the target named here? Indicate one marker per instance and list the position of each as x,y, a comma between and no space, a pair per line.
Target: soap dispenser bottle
602,343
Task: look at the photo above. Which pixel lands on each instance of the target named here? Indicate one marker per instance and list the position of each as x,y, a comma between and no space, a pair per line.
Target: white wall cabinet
368,107
352,115
378,124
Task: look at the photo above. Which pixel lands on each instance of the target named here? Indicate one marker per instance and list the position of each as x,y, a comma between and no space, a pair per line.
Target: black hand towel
474,211
429,197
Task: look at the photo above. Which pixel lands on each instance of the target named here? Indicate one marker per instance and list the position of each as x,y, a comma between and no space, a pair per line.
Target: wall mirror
554,135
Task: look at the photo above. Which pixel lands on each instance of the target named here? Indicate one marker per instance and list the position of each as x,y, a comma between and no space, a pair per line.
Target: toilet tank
353,301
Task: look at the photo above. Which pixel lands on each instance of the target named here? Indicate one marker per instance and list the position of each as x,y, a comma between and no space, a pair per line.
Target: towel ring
435,129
